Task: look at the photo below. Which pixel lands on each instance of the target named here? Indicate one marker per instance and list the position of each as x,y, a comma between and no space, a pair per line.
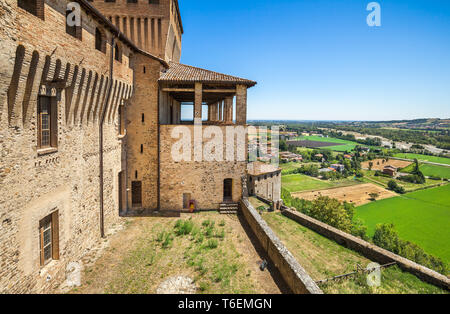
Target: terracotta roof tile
181,73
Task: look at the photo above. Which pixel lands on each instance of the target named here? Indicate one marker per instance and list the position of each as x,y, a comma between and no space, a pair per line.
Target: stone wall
152,27
292,272
35,54
203,180
369,250
142,129
266,185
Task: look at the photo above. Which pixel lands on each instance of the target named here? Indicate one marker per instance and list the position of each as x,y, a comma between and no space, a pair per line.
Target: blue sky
319,60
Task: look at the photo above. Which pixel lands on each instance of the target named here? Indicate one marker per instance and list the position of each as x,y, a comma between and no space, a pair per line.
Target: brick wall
34,54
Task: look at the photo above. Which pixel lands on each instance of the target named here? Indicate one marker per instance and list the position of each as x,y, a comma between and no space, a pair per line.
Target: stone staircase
228,208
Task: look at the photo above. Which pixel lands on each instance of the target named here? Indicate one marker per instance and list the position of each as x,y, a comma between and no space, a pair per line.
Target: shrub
393,186
183,227
212,244
386,237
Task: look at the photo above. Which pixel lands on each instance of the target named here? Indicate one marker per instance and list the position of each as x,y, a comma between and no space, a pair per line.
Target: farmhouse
390,170
264,180
87,115
338,167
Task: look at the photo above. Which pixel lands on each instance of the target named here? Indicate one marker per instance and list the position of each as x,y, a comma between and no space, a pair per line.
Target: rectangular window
75,30
136,193
47,135
153,1
49,238
131,1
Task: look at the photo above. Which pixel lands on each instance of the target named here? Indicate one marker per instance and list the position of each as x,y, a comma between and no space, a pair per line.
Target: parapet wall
367,249
292,272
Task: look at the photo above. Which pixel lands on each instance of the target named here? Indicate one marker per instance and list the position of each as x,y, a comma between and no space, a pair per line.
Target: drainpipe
100,133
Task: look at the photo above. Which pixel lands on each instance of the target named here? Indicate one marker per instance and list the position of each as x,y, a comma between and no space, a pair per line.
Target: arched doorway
228,190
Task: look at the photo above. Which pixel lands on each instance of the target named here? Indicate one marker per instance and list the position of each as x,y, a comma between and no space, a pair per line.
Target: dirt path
134,262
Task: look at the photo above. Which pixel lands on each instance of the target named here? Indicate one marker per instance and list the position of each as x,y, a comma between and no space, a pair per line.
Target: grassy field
369,177
341,145
289,166
422,217
431,170
210,248
323,258
439,160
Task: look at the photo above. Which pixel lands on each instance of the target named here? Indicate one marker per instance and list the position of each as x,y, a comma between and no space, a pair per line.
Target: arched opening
117,53
100,43
228,190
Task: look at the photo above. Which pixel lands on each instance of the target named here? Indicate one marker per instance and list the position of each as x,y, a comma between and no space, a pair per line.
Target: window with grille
49,238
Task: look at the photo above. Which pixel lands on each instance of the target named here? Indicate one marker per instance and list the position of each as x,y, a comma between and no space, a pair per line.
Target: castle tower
152,25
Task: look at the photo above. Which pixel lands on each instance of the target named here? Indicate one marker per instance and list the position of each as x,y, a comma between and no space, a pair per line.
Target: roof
181,73
113,29
390,167
258,168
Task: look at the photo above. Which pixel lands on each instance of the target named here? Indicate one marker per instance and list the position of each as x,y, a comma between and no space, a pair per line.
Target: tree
370,165
374,196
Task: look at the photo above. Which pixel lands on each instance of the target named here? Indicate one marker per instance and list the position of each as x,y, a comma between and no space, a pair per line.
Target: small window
142,148
144,69
49,238
35,7
153,1
121,120
136,174
143,118
110,0
131,1
74,30
100,42
136,193
47,126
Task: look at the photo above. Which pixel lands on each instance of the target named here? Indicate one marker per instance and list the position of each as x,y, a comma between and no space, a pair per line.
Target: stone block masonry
292,272
369,250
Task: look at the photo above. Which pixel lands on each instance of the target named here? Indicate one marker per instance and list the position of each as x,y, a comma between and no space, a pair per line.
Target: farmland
323,258
299,182
379,164
369,177
439,160
431,170
326,143
422,217
355,194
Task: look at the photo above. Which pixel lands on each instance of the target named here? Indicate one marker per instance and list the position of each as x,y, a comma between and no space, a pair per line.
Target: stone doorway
228,190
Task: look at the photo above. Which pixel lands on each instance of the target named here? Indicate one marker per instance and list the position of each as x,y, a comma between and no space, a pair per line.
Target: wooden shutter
41,240
55,235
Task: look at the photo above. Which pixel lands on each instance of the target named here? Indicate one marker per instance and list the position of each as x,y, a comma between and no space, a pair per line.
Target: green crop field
431,170
439,160
300,182
341,145
422,217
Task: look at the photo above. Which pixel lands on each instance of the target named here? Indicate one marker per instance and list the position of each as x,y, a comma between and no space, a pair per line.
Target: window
121,119
117,53
75,30
49,238
47,126
35,7
136,193
153,1
144,69
110,0
143,118
100,43
131,1
142,148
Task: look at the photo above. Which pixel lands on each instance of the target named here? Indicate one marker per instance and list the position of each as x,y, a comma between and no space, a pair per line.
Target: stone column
241,104
198,103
